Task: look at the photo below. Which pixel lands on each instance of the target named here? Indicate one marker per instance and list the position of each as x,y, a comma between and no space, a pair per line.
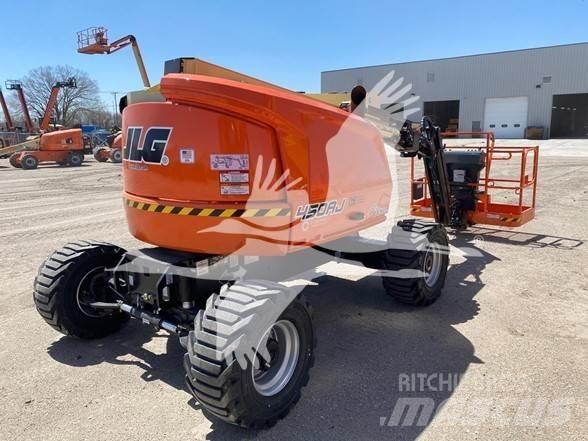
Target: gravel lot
512,323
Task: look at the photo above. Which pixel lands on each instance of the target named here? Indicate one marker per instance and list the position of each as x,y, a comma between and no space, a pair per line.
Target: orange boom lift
92,41
240,185
65,147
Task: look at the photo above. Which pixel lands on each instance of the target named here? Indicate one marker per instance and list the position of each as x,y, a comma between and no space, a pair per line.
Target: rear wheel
72,278
100,154
250,353
29,162
116,155
75,159
13,160
416,262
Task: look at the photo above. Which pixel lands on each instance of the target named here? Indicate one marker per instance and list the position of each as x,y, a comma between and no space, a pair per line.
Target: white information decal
187,156
459,175
234,177
238,162
234,190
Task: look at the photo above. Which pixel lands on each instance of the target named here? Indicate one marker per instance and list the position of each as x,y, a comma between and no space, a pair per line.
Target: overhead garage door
506,117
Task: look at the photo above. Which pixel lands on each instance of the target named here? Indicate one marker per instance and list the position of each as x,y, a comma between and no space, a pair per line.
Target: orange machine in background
65,147
112,152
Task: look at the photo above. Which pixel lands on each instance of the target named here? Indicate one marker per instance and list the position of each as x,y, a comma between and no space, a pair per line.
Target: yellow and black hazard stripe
207,212
510,219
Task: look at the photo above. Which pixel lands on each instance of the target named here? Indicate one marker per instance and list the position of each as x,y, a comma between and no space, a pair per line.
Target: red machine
5,141
7,117
17,85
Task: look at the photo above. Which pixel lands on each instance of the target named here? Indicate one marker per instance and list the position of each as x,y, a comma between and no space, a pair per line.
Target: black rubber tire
13,160
57,282
97,155
116,156
408,245
29,162
75,159
218,381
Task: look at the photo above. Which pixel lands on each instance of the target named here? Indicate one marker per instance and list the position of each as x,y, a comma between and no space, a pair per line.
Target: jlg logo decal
148,148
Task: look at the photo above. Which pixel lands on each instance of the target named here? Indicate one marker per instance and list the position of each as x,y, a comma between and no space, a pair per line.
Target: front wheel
70,280
29,162
416,261
75,159
116,156
250,353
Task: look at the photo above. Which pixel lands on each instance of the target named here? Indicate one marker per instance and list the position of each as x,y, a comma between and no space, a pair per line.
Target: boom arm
7,116
95,41
430,148
15,85
71,82
131,40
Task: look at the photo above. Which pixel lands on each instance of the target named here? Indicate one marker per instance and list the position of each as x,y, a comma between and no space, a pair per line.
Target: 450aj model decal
320,209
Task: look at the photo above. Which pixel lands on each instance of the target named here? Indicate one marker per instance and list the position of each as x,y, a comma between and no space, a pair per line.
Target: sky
285,42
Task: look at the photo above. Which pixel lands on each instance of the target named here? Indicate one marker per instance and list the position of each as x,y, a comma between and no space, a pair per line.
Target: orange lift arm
95,41
71,82
16,85
7,116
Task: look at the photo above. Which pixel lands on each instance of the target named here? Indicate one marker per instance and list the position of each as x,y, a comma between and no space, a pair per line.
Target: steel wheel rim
83,289
432,264
272,378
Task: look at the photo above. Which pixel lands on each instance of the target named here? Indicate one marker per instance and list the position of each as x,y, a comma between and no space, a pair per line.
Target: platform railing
486,211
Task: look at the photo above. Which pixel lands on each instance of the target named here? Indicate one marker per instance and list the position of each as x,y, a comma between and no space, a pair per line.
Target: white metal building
504,92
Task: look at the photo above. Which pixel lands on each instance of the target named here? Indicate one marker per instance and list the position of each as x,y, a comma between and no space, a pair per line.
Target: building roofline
457,57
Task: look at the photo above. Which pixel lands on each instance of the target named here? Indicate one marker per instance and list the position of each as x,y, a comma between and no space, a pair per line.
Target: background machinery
17,86
5,141
6,112
65,147
92,41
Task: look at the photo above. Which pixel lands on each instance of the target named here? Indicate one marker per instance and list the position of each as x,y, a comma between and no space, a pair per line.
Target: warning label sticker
187,156
229,162
234,177
234,190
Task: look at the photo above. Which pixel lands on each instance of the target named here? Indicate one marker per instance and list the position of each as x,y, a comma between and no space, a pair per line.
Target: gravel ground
512,324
